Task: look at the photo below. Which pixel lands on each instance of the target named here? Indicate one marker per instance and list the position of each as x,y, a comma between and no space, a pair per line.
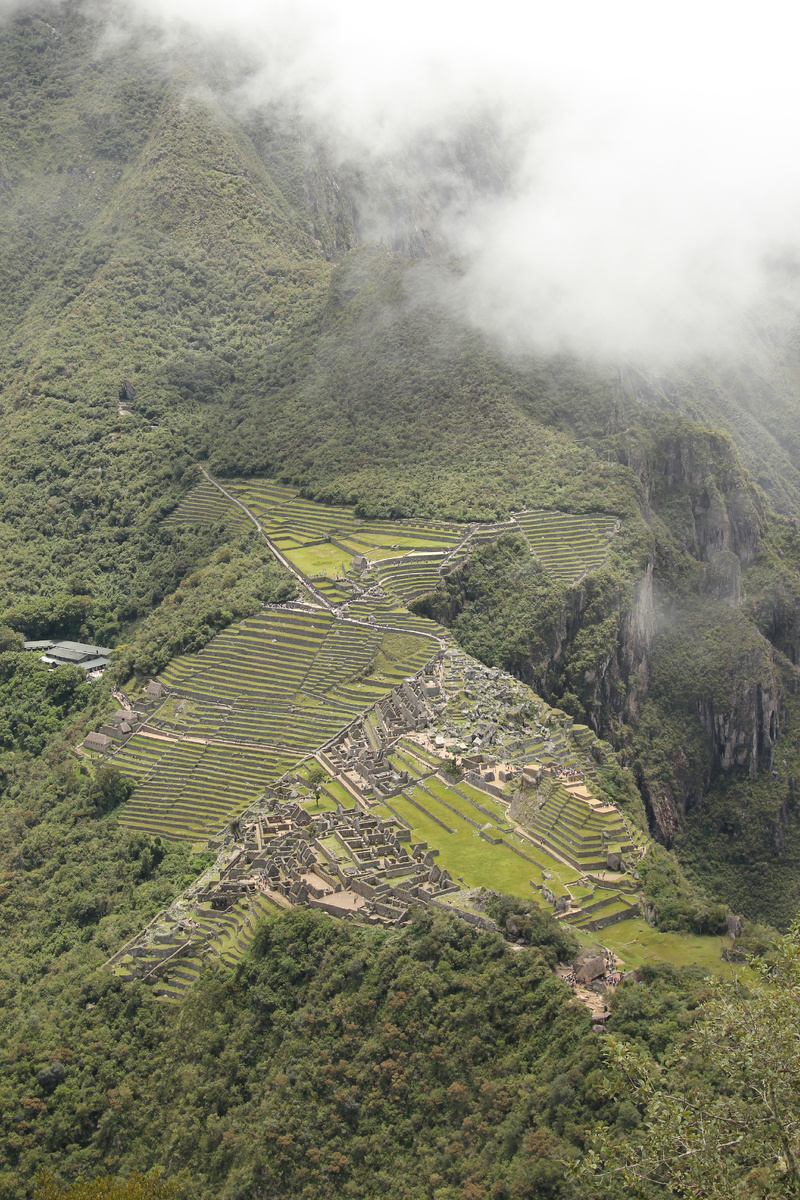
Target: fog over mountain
652,189
477,333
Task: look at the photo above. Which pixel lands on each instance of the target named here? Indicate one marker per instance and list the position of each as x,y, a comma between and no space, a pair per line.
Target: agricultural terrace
567,546
406,557
271,690
261,696
206,505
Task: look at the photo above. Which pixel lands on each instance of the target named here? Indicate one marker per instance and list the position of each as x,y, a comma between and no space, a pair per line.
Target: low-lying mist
646,199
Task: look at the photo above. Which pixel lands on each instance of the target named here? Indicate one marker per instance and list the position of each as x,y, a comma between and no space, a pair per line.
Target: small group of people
613,974
568,773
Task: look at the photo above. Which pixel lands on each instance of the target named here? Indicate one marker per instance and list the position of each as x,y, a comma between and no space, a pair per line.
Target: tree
109,788
316,777
721,1116
10,639
452,769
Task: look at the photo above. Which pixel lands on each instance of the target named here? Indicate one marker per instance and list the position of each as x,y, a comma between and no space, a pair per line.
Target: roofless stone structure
346,862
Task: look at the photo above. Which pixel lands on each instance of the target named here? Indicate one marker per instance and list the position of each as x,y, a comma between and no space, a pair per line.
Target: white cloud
655,163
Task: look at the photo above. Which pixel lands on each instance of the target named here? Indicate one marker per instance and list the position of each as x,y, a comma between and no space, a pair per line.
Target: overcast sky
656,163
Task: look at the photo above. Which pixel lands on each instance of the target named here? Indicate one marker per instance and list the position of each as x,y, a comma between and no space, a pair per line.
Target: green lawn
565,873
325,559
498,810
324,804
398,537
340,793
465,854
636,943
421,752
399,649
402,763
380,810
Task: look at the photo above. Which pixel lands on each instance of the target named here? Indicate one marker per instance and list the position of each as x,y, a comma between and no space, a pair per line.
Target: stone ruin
410,707
349,863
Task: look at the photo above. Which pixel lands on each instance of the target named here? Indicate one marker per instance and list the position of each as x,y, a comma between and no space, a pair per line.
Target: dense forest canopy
182,283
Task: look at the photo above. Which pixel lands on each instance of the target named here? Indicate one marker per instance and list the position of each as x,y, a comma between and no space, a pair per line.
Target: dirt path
302,579
319,597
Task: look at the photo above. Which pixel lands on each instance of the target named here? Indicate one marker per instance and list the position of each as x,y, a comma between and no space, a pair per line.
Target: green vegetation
526,922
638,945
677,905
331,1039
237,581
180,286
36,703
720,1116
502,608
73,887
337,1039
135,1187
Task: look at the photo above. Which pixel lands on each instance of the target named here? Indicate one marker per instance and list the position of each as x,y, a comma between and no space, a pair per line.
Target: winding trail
302,579
318,597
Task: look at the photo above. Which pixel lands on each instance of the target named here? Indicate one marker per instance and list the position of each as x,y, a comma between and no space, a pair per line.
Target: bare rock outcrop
694,480
743,733
723,578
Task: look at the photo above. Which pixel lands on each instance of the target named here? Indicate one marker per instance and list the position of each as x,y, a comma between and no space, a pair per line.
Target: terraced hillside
205,505
295,524
411,576
389,612
187,790
567,546
581,833
405,557
272,689
173,962
482,846
262,695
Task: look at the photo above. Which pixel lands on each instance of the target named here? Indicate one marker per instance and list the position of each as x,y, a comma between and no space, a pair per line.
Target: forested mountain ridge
183,283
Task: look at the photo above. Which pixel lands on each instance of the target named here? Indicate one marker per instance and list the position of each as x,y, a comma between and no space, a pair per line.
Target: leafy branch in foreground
721,1116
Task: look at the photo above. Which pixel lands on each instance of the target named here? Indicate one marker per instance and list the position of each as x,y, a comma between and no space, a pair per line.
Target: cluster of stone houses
122,723
411,706
350,863
118,728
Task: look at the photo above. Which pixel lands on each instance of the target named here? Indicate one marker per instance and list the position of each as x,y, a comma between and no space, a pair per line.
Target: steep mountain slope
183,281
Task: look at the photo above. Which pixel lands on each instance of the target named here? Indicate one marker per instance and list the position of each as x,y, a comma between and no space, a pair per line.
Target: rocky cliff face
693,480
615,686
722,578
743,731
772,602
714,710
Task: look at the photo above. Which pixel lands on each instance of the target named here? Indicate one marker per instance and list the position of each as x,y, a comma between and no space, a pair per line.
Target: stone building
97,741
